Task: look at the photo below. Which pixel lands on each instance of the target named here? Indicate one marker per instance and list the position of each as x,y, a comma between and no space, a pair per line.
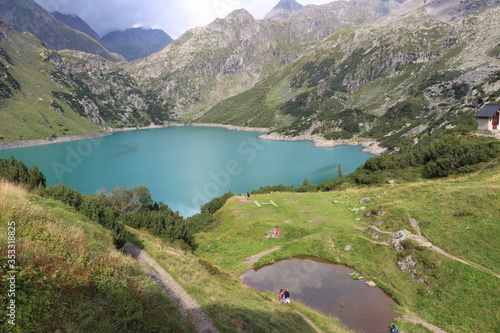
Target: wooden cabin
488,118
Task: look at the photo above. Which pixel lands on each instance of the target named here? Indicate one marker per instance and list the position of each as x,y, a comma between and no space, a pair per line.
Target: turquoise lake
185,167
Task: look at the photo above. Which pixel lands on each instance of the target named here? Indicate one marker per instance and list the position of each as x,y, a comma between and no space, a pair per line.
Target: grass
322,224
70,278
27,113
231,305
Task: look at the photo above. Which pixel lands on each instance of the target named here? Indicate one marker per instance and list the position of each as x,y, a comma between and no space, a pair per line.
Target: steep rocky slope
379,69
206,65
77,23
45,96
26,15
389,81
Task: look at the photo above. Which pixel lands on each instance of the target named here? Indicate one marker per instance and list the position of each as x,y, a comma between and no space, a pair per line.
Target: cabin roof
488,111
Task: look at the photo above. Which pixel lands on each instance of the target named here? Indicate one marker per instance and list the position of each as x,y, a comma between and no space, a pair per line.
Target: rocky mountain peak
240,15
77,23
284,9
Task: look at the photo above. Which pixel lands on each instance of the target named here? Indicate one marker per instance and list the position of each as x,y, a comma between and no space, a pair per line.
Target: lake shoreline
371,147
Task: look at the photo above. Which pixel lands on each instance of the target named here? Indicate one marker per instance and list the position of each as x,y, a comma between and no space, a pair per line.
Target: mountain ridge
77,23
136,43
343,70
27,15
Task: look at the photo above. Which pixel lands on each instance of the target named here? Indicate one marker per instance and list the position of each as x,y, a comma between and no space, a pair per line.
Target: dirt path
187,305
416,320
423,241
253,259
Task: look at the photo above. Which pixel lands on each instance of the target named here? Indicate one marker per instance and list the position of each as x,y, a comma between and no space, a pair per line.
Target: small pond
328,288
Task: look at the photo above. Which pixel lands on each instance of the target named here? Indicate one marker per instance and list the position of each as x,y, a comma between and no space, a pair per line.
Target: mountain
26,15
360,70
208,64
396,80
283,10
77,23
46,96
136,43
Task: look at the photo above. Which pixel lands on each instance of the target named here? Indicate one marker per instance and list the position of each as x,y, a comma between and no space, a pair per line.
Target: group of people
284,296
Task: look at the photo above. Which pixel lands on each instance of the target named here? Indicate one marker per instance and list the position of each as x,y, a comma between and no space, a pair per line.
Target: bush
216,203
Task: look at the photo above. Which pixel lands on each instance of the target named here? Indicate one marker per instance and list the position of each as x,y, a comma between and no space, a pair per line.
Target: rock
397,246
390,182
358,219
371,283
348,248
368,214
362,208
354,210
408,265
381,212
362,201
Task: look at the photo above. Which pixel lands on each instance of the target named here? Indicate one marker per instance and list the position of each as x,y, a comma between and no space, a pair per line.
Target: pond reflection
328,288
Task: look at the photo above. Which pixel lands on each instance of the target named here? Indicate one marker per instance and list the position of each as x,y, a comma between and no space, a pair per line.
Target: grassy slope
33,101
71,278
232,306
455,297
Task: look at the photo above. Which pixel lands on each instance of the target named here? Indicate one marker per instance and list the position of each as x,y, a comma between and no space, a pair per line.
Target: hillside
43,96
68,275
446,265
455,215
357,70
77,23
28,16
401,79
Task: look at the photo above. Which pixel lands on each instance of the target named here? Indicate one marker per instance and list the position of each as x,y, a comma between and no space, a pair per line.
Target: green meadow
456,214
68,264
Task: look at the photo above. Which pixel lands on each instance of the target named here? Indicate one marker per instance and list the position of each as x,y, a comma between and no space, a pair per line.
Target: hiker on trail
286,296
277,232
248,195
281,295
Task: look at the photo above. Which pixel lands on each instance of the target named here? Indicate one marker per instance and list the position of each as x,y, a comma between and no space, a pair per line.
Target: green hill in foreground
456,215
72,279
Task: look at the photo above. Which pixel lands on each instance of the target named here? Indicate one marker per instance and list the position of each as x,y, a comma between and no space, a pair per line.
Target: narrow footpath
187,305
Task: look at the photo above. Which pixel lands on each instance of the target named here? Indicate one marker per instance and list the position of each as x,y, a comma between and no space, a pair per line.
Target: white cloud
172,16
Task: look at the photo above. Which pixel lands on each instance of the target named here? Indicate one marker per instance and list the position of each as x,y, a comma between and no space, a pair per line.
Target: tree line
122,206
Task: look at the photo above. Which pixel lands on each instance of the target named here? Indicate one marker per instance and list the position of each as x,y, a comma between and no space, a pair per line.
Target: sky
172,16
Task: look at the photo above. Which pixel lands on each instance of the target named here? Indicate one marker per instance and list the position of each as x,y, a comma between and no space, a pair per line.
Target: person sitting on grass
286,296
281,295
394,329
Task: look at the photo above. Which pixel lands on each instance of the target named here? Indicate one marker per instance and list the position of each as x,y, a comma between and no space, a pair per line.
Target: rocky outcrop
408,265
55,60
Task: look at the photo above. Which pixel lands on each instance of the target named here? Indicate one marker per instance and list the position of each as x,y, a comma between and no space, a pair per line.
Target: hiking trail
187,305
